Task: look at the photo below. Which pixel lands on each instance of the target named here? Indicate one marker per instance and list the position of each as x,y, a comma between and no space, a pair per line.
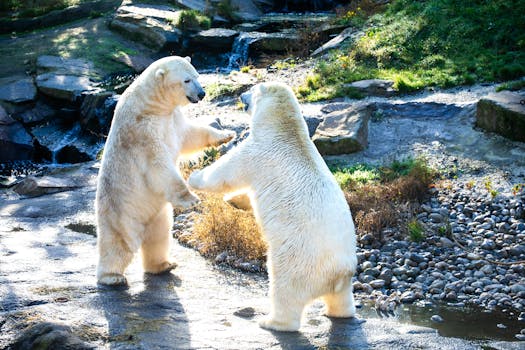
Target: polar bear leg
340,304
198,137
157,242
286,308
114,257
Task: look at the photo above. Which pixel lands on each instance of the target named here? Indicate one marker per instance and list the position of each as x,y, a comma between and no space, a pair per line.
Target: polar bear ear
263,89
159,73
188,58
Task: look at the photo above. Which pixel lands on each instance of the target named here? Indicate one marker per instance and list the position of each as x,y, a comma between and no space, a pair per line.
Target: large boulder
64,66
15,142
65,145
64,78
347,34
219,39
96,112
503,113
39,113
374,87
18,91
151,25
33,186
63,87
343,131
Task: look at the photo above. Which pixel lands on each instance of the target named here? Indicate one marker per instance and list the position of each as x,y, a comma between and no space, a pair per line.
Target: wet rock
502,113
96,112
488,244
63,87
437,319
148,24
15,142
40,113
49,336
220,39
408,297
347,34
343,132
257,43
247,312
418,110
386,275
377,284
65,145
520,337
436,217
374,87
18,91
83,227
36,186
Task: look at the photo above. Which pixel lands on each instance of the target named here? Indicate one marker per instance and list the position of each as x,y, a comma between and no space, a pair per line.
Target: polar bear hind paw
164,267
112,279
271,324
186,200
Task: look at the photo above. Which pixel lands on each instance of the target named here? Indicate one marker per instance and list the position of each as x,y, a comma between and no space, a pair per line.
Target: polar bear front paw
224,137
195,180
271,324
185,200
112,279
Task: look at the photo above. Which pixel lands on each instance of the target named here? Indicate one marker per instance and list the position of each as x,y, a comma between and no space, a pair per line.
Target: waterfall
241,48
69,137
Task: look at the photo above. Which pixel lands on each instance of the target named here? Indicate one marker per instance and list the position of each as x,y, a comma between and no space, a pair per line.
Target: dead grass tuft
386,203
219,227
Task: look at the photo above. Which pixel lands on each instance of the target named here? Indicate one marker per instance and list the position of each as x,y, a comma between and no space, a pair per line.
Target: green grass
439,43
189,20
416,232
349,177
512,85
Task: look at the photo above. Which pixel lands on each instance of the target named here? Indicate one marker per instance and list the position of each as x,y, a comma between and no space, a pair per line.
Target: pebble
377,284
437,319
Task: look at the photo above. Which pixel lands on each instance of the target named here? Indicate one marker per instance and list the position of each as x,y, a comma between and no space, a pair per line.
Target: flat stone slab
217,38
343,132
65,66
374,87
63,87
19,91
155,32
503,113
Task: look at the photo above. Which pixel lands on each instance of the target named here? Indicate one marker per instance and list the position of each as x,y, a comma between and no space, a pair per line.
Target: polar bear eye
187,81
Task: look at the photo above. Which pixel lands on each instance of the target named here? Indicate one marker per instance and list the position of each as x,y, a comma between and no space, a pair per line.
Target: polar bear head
174,81
274,105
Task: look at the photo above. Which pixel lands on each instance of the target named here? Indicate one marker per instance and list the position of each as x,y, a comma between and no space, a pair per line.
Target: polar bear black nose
201,94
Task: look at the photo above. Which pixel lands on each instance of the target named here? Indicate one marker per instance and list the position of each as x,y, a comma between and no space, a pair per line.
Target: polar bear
298,204
139,179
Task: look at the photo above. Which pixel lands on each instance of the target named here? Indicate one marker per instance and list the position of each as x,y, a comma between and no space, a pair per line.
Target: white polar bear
139,178
297,202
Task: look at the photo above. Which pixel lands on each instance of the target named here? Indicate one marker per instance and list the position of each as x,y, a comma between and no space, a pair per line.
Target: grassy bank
417,44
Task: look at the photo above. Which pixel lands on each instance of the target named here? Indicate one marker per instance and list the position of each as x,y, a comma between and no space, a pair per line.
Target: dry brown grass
377,206
219,227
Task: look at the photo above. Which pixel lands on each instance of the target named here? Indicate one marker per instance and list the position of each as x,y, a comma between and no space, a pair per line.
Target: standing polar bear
298,204
139,179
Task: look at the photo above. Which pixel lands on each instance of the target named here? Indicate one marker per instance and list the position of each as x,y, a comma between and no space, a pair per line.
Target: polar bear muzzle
195,92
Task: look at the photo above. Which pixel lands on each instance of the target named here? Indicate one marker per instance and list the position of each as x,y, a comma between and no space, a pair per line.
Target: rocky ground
50,298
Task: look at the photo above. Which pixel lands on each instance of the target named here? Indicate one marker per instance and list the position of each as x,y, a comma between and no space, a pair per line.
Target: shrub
190,20
416,232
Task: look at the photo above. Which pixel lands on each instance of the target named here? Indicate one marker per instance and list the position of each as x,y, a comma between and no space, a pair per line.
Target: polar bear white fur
297,202
139,178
